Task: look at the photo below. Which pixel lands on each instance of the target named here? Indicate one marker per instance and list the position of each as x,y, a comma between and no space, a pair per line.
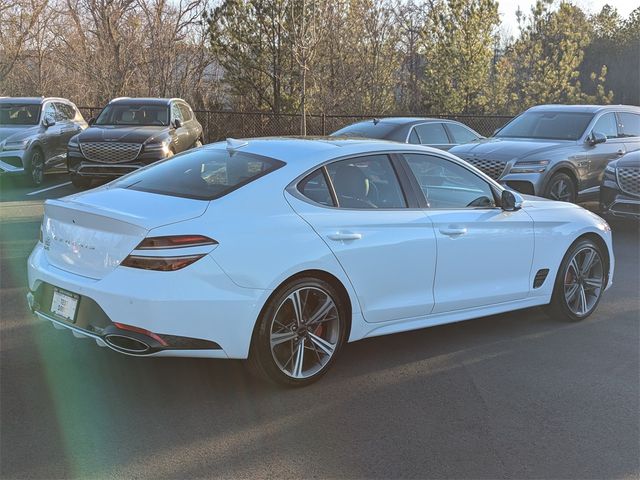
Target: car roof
144,100
308,151
31,100
582,108
402,120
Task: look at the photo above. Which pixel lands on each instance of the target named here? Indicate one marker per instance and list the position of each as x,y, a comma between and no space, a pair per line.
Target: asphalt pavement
518,395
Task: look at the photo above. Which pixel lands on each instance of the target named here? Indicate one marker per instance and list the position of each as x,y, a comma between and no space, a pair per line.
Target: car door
181,139
193,130
52,137
629,126
433,134
65,115
601,154
387,249
484,253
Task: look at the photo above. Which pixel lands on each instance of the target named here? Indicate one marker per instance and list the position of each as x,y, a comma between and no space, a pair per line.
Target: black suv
130,133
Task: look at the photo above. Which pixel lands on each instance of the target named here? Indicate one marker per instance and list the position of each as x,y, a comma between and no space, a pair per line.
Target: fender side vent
540,277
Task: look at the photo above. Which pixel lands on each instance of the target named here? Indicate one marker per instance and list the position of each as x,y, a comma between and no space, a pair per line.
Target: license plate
64,304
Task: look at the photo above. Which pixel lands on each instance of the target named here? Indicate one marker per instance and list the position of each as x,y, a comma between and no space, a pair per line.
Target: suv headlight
610,173
530,166
18,145
161,148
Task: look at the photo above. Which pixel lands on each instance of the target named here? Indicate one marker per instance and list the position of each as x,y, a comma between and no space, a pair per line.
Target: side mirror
48,122
596,138
91,121
177,123
511,201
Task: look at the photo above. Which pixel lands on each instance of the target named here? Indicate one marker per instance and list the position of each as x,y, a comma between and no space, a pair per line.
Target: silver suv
557,151
34,133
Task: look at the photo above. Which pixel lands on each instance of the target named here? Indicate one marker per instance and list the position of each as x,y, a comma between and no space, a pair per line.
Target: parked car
34,132
130,133
432,132
620,191
281,250
557,151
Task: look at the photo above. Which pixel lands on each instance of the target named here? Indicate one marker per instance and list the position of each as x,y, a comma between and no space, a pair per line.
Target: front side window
176,114
461,134
201,174
547,126
50,112
446,184
19,114
607,125
64,112
630,124
134,114
185,112
366,182
432,134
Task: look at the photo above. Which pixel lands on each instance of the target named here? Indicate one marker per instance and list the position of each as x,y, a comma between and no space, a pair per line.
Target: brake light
164,264
175,241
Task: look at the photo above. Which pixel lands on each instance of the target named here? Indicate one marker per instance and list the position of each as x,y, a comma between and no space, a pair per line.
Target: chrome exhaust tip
126,344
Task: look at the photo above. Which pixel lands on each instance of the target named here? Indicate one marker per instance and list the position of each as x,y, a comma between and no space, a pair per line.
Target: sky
508,9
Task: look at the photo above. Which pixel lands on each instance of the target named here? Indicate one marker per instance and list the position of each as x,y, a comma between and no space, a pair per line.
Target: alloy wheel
583,281
561,190
305,332
37,167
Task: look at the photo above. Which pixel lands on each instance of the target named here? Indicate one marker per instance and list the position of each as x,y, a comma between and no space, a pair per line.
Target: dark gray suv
130,133
557,151
34,132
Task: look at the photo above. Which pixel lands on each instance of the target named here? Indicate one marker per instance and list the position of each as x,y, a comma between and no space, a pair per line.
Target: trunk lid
89,234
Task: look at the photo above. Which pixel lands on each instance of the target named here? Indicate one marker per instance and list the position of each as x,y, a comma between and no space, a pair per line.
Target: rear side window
315,188
201,174
432,134
461,134
630,124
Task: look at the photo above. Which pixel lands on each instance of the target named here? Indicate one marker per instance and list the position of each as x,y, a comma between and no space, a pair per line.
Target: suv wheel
35,169
561,188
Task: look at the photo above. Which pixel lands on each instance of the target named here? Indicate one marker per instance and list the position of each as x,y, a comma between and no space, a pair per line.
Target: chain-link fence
221,124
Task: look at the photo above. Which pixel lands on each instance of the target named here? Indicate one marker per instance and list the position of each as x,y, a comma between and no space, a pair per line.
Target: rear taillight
175,241
168,263
164,264
131,328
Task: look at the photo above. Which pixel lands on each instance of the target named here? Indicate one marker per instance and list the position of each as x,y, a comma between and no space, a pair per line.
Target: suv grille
629,179
493,168
110,152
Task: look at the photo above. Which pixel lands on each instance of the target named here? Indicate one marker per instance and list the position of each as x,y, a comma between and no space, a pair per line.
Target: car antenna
233,144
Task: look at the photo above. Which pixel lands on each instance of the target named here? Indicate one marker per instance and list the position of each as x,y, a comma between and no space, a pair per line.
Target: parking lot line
50,188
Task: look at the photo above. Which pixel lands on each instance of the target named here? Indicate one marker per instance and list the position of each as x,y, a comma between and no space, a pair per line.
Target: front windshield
547,126
122,114
19,114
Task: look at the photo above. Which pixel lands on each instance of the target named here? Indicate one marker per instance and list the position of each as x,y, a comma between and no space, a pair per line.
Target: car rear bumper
194,312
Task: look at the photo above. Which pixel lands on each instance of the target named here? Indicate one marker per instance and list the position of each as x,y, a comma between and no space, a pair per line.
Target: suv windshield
368,129
202,174
547,125
134,114
21,114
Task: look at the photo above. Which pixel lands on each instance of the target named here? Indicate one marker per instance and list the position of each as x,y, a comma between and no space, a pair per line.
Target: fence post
324,124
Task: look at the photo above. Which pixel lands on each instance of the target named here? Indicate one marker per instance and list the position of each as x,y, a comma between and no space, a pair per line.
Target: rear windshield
547,125
203,174
380,130
19,114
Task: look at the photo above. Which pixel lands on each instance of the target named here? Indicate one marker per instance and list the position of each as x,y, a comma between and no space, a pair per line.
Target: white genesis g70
281,250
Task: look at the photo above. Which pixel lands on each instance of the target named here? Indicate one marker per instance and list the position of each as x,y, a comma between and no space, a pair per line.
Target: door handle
453,231
341,236
620,153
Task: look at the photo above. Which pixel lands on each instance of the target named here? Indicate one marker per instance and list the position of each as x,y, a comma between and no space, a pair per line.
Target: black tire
562,188
560,307
79,181
262,362
35,167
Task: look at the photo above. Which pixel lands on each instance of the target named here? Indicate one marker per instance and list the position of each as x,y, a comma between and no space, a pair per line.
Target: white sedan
281,250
